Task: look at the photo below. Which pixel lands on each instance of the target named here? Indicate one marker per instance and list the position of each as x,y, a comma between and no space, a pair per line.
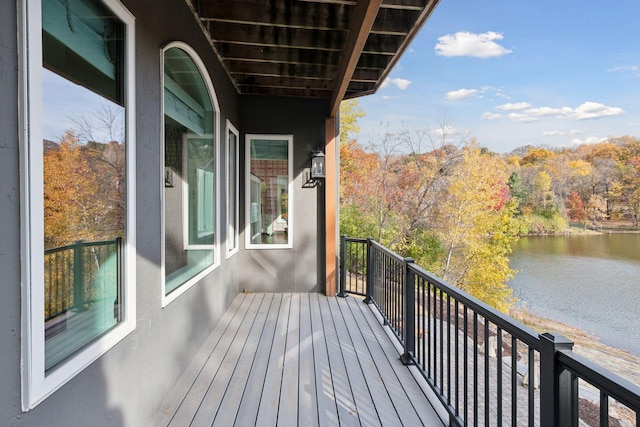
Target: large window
232,189
78,160
269,191
190,175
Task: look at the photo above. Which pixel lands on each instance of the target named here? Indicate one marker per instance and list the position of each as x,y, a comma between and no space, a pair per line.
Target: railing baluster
409,313
448,348
430,329
343,271
514,381
466,366
499,373
531,386
475,365
423,318
440,300
487,392
604,409
457,357
392,289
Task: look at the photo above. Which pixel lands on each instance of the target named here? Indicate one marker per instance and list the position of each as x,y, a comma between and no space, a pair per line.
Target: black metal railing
485,367
67,269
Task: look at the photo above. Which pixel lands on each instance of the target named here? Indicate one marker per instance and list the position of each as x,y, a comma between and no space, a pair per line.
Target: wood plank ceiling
332,49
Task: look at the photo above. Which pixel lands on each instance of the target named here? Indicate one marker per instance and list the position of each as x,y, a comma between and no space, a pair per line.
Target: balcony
396,347
298,359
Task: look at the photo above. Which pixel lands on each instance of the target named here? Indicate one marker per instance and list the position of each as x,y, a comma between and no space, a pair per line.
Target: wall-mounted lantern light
317,165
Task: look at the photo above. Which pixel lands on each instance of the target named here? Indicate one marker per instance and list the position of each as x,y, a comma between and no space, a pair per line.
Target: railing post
409,311
558,388
78,275
369,290
343,267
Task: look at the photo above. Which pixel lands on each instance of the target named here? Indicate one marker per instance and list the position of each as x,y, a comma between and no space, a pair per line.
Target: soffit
330,49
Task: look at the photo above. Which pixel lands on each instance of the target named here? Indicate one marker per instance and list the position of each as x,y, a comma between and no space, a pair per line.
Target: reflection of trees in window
84,179
84,190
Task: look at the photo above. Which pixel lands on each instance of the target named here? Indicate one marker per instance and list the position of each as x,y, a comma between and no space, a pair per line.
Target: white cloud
513,106
464,43
591,110
521,118
446,131
514,117
492,116
544,111
588,140
461,93
401,84
561,132
586,111
633,69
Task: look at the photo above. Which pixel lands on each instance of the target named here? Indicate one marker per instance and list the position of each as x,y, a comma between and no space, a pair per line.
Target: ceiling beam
362,21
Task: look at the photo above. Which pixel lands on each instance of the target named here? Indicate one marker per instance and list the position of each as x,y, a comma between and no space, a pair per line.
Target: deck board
297,360
248,410
325,393
237,384
307,401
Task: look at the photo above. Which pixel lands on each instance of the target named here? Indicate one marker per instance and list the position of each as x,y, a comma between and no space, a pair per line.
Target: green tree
517,190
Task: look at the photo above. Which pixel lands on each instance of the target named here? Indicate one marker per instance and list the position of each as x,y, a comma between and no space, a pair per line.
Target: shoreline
612,227
618,361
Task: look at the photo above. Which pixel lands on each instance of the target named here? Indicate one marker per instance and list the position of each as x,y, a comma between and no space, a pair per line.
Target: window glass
189,169
269,198
84,174
232,189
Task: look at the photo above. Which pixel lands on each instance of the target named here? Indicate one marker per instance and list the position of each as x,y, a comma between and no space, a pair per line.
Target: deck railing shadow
485,367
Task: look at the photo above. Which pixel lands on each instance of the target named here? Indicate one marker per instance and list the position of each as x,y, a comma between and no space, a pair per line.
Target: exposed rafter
363,17
331,49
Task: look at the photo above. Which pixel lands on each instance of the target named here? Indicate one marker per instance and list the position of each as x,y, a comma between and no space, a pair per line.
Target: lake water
588,281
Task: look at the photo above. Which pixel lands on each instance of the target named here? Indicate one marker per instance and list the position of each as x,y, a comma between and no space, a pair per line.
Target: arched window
190,202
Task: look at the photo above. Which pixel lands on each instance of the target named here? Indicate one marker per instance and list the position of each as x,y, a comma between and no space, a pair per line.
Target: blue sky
516,72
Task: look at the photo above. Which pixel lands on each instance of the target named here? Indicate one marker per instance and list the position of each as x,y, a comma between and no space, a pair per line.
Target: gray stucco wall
127,384
296,269
10,215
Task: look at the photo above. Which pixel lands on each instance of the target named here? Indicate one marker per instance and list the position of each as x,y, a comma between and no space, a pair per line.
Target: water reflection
589,281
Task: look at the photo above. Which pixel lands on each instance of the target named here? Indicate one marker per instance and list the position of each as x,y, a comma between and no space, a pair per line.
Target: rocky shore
620,362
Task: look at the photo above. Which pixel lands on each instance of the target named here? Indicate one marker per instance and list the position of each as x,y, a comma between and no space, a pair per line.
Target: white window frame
185,198
36,386
290,195
174,294
235,220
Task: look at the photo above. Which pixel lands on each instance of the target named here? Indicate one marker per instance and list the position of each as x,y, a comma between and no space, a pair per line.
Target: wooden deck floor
297,359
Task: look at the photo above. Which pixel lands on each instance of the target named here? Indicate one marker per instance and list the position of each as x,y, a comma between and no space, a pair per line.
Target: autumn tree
360,191
575,207
536,156
350,113
542,189
596,209
70,203
475,228
84,191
